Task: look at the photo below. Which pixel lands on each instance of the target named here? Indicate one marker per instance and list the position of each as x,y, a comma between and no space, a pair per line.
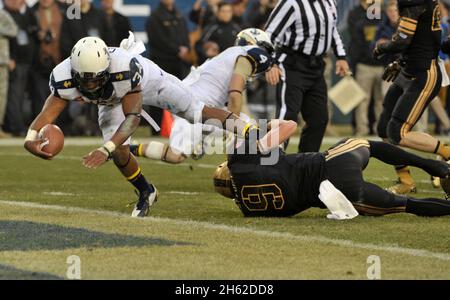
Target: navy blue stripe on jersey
136,73
63,84
119,76
260,60
52,84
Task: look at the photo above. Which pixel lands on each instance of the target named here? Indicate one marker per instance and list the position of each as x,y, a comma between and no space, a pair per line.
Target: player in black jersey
292,184
417,80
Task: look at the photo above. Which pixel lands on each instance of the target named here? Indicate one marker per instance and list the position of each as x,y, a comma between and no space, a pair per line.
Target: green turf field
51,210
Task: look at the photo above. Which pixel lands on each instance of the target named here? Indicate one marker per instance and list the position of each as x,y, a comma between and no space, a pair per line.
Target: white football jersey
214,75
126,70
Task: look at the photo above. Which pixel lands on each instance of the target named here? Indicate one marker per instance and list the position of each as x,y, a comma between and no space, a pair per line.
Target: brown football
55,137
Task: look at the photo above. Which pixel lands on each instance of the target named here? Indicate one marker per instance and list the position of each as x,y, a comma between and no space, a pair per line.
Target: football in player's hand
54,139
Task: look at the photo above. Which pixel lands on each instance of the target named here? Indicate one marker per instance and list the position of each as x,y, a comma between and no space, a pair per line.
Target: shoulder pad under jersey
260,59
61,83
125,71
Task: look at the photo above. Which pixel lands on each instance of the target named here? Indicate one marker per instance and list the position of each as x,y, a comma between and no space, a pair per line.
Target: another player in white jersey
119,82
218,82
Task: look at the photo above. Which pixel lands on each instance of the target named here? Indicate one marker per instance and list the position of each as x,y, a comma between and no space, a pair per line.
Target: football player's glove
391,71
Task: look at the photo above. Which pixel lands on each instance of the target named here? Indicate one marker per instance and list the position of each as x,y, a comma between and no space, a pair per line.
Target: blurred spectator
239,8
219,35
385,32
259,12
387,28
368,70
22,50
204,15
117,25
168,38
91,23
8,29
49,15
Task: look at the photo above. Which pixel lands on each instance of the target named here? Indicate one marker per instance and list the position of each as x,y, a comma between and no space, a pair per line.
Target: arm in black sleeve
405,31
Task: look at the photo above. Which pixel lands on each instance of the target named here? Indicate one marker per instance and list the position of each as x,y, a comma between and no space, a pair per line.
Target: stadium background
138,12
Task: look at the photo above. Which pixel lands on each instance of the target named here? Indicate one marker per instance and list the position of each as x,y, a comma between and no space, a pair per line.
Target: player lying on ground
119,81
416,80
292,184
220,83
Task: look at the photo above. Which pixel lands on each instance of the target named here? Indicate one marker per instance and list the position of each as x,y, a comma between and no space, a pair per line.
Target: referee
303,31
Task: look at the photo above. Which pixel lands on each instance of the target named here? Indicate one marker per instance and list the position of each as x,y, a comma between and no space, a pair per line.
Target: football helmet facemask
90,61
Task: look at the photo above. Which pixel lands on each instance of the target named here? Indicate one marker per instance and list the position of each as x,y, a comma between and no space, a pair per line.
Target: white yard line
243,230
182,193
143,160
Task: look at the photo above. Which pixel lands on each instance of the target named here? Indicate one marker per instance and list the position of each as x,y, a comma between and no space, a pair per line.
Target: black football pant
303,90
406,100
346,162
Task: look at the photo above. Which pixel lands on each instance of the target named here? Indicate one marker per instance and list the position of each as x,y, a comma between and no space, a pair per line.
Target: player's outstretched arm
278,132
132,107
52,109
241,73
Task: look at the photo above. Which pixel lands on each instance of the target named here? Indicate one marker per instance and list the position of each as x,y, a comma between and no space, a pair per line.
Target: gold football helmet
222,180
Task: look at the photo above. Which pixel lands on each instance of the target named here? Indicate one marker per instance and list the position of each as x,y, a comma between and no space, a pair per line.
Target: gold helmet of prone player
222,181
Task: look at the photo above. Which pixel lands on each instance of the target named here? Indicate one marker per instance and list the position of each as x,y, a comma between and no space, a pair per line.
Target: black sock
136,149
429,207
141,183
400,158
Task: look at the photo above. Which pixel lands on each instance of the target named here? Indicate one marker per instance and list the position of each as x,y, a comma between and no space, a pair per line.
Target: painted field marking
240,230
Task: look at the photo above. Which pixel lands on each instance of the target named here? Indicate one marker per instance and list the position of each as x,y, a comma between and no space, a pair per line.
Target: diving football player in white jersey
219,82
119,82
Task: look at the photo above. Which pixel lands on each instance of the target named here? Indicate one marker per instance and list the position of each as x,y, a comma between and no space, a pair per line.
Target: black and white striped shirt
306,26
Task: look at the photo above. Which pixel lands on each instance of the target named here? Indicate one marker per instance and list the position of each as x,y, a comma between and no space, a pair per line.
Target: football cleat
146,200
401,188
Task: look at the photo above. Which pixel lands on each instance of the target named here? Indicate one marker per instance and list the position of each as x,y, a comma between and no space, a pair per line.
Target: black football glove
391,71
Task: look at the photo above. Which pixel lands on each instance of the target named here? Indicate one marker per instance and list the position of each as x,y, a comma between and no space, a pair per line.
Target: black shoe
146,200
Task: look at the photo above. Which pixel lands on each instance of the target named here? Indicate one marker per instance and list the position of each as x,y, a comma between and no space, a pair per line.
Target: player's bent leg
158,151
393,155
129,167
405,183
378,202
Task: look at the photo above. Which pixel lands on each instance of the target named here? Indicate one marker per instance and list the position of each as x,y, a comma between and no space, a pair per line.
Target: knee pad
394,131
160,151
